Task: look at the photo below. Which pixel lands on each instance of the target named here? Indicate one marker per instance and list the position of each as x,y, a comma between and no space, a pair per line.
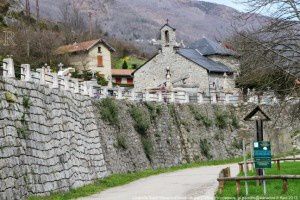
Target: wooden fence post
241,167
284,185
238,188
221,186
278,164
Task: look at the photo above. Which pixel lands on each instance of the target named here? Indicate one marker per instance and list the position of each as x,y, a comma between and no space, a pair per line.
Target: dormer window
99,50
167,37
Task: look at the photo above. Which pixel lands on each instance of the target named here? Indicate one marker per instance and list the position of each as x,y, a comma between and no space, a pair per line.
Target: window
100,61
130,81
99,50
118,80
167,37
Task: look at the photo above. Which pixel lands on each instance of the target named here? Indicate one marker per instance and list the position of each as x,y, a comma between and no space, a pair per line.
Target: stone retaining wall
48,143
53,140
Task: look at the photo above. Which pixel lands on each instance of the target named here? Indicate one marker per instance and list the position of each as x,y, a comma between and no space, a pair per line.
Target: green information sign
262,154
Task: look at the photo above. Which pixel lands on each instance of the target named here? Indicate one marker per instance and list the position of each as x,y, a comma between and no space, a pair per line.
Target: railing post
66,83
42,75
8,68
172,97
105,92
25,72
55,81
200,98
146,96
187,97
76,85
132,95
214,98
119,94
84,88
160,97
227,98
91,91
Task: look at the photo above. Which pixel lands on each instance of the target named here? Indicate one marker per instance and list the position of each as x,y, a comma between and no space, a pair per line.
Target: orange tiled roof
122,72
82,46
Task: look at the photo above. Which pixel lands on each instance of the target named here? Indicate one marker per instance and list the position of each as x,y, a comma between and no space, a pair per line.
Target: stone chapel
209,66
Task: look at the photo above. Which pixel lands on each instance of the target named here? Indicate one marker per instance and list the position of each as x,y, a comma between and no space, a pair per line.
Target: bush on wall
204,148
207,122
109,111
140,118
221,119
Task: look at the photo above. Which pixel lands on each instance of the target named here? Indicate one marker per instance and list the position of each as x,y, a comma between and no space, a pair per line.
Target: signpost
262,150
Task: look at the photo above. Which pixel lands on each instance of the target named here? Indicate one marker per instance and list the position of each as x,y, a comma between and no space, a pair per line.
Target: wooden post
241,167
221,186
284,185
238,188
278,164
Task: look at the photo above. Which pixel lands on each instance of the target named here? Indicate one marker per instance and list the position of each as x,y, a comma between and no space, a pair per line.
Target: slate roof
212,66
208,47
168,26
83,46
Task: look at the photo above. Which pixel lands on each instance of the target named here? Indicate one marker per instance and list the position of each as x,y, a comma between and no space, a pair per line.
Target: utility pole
37,10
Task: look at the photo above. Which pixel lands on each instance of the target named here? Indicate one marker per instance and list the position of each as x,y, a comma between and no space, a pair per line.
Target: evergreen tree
125,65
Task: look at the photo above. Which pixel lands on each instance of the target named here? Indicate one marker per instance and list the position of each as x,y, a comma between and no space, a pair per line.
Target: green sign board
262,154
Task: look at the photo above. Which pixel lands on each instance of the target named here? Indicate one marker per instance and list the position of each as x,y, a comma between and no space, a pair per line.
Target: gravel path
190,184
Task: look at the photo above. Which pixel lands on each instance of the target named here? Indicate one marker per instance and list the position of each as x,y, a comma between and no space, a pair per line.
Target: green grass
274,187
131,61
122,179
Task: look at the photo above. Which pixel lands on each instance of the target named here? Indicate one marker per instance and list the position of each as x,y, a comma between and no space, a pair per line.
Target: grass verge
274,187
122,179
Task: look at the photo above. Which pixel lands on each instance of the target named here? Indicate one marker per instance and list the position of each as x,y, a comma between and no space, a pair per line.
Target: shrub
200,117
102,81
147,146
109,111
26,102
238,144
121,142
235,122
142,124
221,119
10,97
154,110
204,148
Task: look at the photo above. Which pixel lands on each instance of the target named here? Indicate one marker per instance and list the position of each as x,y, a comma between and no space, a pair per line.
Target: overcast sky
231,3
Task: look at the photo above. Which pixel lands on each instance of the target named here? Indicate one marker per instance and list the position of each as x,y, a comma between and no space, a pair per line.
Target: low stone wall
53,140
49,141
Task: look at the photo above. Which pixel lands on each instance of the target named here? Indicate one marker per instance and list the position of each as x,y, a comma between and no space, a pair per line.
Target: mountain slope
140,20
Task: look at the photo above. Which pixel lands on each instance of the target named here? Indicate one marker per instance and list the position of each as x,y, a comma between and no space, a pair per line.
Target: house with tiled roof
93,55
193,69
122,77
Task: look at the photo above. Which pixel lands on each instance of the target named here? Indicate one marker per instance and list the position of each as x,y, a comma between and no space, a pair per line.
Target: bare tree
271,52
37,6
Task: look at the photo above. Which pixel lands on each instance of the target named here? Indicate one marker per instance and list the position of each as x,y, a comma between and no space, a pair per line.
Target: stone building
94,55
209,67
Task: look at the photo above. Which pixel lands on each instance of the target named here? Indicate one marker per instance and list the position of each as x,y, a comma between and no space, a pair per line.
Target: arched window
167,37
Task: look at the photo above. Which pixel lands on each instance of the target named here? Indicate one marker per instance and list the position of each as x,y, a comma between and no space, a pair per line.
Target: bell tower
168,37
